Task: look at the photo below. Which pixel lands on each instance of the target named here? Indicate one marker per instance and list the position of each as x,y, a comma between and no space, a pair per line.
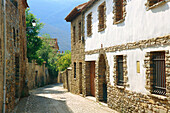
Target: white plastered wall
139,24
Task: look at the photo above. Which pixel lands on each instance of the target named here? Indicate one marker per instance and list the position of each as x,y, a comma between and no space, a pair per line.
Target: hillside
52,13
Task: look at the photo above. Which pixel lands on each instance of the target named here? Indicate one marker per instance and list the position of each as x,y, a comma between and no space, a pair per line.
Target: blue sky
52,13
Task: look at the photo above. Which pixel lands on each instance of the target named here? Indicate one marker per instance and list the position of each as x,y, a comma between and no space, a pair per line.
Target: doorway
102,83
80,76
92,78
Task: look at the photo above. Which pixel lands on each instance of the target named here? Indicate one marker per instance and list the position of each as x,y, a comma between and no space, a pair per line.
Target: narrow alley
55,99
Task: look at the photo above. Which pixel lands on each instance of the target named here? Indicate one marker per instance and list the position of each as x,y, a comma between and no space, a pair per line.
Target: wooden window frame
102,17
149,5
89,24
115,11
74,34
80,30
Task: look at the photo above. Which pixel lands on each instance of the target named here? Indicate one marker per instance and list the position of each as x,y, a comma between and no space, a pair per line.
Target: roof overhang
75,12
25,3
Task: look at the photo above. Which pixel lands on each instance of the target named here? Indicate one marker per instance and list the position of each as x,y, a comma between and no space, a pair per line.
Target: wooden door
92,78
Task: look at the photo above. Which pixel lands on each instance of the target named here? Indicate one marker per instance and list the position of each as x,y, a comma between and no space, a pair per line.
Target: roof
77,10
25,2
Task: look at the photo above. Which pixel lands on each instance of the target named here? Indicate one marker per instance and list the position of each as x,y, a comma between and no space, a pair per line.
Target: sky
52,14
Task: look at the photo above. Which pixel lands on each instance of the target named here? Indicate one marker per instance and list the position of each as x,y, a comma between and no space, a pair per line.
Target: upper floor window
15,3
74,34
102,17
23,20
119,11
152,2
89,24
14,36
80,31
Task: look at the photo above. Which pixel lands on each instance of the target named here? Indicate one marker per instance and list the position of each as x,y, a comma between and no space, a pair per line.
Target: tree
63,61
34,43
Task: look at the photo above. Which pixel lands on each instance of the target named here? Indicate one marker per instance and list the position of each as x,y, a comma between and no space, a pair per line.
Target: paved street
55,99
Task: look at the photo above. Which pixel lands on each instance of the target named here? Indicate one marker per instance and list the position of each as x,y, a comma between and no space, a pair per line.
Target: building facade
16,52
127,54
77,49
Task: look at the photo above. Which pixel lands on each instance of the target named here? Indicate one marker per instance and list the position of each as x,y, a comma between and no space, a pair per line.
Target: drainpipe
4,71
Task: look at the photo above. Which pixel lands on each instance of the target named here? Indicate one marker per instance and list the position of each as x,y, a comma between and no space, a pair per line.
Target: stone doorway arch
102,77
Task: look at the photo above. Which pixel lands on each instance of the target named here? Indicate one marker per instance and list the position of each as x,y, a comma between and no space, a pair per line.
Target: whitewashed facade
139,24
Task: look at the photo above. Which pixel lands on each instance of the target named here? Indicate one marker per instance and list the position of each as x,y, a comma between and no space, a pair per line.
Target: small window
119,10
14,36
89,24
152,2
80,31
74,34
120,78
101,15
158,72
23,20
74,70
15,3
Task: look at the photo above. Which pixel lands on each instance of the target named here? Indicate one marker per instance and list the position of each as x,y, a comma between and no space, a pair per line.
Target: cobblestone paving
55,99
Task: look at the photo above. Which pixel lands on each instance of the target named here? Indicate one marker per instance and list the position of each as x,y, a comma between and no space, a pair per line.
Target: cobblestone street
55,99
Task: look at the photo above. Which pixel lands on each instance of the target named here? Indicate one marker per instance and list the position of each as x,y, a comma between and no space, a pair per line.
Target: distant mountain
52,13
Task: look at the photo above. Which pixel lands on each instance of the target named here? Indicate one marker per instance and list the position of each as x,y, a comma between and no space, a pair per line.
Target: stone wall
1,48
77,56
121,98
37,76
16,44
66,78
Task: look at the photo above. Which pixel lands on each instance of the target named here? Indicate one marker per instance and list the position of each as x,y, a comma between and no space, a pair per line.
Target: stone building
125,53
77,48
37,75
16,52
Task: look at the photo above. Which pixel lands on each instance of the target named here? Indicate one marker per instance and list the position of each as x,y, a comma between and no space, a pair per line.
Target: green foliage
33,42
63,61
54,61
40,50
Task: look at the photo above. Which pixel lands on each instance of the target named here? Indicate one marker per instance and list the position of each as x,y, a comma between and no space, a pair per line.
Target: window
74,70
119,9
120,78
152,2
15,3
80,31
23,20
158,71
74,33
101,16
89,24
14,36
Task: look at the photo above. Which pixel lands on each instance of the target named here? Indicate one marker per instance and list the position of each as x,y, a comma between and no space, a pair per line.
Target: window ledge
118,22
102,29
89,35
120,87
158,96
156,5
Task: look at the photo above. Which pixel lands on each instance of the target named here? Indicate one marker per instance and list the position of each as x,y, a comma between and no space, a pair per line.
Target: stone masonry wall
123,100
37,76
78,56
1,48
